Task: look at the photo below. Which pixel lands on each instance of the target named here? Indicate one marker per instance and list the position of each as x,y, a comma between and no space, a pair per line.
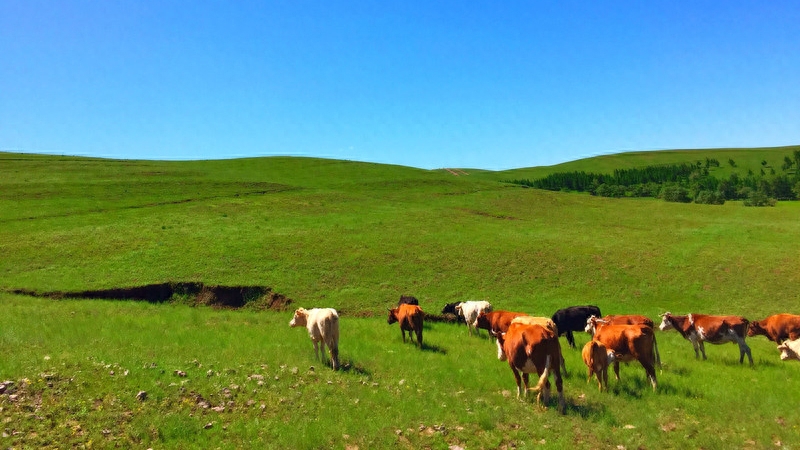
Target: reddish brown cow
629,343
410,318
593,323
697,328
777,328
496,321
534,349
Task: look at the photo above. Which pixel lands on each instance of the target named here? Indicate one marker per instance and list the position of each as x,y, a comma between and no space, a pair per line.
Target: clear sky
429,84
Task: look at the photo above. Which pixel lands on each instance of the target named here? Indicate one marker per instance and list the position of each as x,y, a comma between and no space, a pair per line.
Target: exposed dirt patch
487,214
259,297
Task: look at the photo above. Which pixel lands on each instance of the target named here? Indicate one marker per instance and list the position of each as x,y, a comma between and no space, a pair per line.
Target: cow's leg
525,381
334,349
604,383
419,337
501,355
516,377
696,347
316,349
403,332
650,370
744,348
570,339
562,404
702,347
616,369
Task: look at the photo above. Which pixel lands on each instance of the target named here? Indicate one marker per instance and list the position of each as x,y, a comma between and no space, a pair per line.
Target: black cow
408,300
574,319
450,309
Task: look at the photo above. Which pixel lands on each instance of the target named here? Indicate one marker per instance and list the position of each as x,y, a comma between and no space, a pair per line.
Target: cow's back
323,323
409,316
534,342
628,319
716,326
497,321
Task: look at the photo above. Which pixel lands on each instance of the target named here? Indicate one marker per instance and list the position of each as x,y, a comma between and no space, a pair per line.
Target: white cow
471,310
323,329
790,350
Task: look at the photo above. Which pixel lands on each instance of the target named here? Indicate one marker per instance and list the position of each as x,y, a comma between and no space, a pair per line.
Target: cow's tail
655,350
543,378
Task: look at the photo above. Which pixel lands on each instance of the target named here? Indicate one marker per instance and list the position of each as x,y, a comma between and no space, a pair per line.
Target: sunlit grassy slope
355,235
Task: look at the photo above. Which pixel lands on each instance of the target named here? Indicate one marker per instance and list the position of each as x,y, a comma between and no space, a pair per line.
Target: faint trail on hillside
147,205
456,172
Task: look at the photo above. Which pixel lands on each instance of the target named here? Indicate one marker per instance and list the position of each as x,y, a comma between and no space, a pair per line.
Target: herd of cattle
531,345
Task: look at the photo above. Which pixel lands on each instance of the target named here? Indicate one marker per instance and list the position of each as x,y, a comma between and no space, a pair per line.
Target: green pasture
354,236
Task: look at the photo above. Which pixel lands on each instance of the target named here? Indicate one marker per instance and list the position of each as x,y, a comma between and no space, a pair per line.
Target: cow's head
392,316
591,324
300,318
756,329
666,321
482,321
787,352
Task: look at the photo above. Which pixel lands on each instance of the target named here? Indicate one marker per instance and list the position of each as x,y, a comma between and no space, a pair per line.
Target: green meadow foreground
354,236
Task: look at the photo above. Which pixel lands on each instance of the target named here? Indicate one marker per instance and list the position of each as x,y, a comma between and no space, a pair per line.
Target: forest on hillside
687,182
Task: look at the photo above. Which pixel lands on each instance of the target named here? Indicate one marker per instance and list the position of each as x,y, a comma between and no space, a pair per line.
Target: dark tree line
682,183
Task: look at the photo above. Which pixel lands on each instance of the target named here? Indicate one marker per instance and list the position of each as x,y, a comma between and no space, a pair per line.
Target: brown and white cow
534,349
777,328
593,323
790,349
699,328
323,329
597,358
630,343
410,318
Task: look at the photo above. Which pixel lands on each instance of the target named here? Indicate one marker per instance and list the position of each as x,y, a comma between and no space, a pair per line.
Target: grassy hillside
354,236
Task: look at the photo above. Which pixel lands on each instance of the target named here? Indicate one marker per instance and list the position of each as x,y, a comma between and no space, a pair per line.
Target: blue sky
429,84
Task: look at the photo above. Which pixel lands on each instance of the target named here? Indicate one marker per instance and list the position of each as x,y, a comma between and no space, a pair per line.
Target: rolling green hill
354,236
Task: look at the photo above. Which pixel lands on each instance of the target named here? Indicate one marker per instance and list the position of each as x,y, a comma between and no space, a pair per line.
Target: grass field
354,236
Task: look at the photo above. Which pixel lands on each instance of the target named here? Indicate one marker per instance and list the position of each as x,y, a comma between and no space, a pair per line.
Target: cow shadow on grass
638,386
433,348
587,411
350,366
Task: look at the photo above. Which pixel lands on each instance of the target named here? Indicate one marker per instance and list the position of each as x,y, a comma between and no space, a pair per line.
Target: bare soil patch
258,297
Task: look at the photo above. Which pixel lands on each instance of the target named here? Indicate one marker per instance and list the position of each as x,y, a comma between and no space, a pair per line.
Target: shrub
710,198
758,198
610,190
675,193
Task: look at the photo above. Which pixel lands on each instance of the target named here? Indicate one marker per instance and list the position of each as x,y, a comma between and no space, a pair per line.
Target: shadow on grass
433,348
682,391
350,367
587,411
